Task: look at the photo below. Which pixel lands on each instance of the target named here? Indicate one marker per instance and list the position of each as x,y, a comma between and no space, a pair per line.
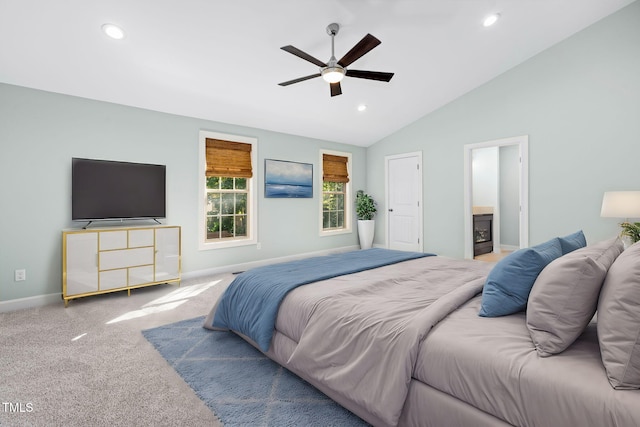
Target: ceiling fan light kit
333,74
334,71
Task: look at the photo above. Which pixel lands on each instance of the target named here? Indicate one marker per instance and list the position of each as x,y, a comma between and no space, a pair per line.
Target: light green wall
509,196
41,131
578,101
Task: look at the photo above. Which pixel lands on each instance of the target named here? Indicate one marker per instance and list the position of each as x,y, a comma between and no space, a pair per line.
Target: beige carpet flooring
89,365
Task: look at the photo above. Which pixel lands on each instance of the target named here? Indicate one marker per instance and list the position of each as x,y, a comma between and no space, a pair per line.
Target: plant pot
366,229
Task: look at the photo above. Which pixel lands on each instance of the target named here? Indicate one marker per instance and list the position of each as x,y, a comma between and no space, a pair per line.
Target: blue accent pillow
572,242
509,283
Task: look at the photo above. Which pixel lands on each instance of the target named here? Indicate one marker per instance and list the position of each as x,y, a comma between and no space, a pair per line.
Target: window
336,194
226,207
227,184
333,194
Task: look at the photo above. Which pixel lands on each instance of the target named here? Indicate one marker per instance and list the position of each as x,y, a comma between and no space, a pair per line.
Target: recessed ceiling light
113,31
491,19
362,107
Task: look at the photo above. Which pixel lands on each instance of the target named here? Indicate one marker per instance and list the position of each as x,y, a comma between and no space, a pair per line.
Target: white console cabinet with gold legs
102,260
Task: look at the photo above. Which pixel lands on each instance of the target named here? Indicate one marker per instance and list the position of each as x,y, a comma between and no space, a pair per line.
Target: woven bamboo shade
334,168
228,159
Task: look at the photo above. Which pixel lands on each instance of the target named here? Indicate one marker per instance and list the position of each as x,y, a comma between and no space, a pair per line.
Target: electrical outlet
20,275
259,246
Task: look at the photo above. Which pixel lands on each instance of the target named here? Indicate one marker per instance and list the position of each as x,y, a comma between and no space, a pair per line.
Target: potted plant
632,231
365,210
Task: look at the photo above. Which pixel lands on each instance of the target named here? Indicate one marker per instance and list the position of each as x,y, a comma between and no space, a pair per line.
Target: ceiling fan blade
300,79
367,43
371,75
335,89
300,54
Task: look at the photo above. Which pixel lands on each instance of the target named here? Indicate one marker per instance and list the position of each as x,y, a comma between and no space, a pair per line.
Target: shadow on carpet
241,385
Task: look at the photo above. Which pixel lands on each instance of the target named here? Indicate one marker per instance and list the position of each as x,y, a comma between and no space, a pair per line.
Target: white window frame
348,205
252,186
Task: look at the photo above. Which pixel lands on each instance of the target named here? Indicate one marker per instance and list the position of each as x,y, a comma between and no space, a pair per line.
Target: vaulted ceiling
221,60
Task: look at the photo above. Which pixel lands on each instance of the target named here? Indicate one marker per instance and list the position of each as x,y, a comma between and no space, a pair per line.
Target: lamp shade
621,204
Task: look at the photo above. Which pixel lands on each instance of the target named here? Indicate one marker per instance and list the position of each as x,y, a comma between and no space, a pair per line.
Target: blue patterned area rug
241,385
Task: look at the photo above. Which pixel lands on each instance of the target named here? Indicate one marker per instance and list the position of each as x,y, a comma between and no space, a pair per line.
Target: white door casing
522,142
403,192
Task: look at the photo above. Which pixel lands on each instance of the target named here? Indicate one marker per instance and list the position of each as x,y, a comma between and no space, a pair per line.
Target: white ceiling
221,60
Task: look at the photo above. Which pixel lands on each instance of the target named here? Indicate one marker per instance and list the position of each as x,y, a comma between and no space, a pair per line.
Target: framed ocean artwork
286,179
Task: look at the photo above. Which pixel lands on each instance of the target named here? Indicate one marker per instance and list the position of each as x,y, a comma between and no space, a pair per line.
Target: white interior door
404,202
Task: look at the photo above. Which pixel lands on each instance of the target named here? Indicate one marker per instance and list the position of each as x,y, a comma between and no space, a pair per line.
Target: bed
402,343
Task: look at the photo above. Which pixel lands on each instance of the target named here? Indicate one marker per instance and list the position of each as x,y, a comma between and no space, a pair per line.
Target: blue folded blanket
250,303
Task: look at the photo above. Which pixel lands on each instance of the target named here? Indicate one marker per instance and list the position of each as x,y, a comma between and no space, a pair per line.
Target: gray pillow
564,297
619,320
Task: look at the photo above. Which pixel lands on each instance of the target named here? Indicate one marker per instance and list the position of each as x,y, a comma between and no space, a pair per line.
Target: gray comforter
370,339
362,340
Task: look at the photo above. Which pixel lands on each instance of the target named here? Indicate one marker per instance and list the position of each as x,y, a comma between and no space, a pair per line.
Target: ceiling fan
334,71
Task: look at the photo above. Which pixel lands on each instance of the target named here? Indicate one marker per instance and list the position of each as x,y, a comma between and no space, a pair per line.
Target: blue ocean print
288,179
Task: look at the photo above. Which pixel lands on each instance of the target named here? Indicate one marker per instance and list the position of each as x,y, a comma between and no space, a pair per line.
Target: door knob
390,210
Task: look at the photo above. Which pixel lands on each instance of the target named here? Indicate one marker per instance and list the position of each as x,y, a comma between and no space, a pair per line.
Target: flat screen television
110,190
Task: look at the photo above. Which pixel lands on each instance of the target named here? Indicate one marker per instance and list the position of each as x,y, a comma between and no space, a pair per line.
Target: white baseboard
253,264
42,300
30,302
509,248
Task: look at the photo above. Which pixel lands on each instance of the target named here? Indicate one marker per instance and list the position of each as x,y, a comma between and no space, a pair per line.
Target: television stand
111,259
